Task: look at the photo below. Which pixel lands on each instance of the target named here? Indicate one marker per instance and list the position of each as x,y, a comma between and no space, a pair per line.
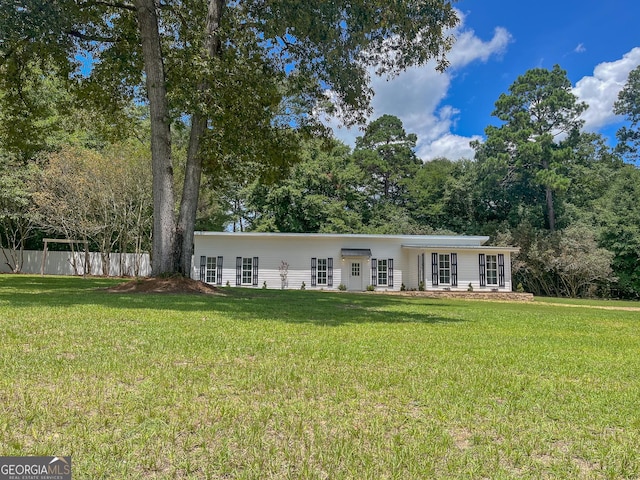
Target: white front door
355,275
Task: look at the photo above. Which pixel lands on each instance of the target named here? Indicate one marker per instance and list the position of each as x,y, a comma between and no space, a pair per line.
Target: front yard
262,384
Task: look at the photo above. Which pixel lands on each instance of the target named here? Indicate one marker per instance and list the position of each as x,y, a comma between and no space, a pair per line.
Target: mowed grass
256,384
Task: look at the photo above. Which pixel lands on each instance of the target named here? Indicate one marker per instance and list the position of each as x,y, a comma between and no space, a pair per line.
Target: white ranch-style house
352,262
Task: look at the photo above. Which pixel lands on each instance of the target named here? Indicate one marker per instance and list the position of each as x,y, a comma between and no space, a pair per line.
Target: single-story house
352,262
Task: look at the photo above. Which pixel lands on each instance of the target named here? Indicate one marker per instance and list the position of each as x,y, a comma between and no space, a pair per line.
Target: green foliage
628,104
567,262
103,197
618,214
371,288
386,153
523,160
18,219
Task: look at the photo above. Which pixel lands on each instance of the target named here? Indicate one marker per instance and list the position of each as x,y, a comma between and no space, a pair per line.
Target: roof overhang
356,252
453,248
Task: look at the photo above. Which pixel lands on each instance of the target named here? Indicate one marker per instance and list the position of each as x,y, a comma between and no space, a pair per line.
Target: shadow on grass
294,306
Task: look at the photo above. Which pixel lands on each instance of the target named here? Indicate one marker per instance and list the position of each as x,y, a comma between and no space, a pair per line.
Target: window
322,271
355,269
247,270
382,272
492,269
211,270
444,268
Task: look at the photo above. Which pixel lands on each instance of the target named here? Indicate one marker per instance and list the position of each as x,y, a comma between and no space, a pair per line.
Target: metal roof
356,252
461,247
432,240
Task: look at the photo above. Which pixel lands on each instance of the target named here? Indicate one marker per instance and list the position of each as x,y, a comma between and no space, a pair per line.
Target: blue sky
596,42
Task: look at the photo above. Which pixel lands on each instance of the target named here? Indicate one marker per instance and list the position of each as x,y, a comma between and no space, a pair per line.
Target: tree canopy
229,67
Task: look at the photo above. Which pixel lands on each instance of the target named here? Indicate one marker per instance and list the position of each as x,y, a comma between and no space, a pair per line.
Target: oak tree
226,68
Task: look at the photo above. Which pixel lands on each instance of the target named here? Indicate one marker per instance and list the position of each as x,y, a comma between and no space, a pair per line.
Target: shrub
303,286
370,288
342,287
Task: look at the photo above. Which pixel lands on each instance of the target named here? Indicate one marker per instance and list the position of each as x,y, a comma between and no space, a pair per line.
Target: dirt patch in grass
598,307
164,285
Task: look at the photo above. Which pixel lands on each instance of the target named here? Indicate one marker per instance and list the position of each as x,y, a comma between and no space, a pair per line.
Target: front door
355,275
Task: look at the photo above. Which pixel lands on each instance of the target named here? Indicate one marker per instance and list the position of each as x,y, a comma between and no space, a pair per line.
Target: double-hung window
492,269
444,269
382,272
211,270
247,270
322,271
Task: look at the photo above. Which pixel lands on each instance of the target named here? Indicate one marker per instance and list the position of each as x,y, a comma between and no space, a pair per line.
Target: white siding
297,251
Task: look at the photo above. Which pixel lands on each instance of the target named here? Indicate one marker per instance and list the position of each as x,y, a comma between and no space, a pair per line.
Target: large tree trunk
193,172
551,214
548,192
162,168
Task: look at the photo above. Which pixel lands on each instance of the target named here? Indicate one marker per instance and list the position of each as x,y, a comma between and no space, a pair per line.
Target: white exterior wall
298,249
468,268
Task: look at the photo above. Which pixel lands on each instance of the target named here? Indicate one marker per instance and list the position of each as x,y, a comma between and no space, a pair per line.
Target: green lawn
255,384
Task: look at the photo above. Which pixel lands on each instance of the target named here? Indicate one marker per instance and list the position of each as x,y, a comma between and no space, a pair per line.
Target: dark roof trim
356,252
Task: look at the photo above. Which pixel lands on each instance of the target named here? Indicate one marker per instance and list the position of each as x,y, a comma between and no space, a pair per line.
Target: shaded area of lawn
323,308
259,384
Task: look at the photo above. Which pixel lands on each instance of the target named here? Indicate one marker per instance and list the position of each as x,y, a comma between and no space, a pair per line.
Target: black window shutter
419,271
501,269
434,269
314,272
203,268
330,272
219,271
423,276
374,272
454,269
483,270
238,270
390,272
255,271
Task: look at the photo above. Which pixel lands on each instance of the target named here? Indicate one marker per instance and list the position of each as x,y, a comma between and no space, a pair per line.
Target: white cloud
600,90
580,48
448,146
415,96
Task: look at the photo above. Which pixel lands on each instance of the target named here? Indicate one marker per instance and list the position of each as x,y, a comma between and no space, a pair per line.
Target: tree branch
92,38
113,4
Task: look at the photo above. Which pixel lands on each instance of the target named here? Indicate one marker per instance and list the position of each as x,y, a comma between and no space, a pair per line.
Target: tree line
130,124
